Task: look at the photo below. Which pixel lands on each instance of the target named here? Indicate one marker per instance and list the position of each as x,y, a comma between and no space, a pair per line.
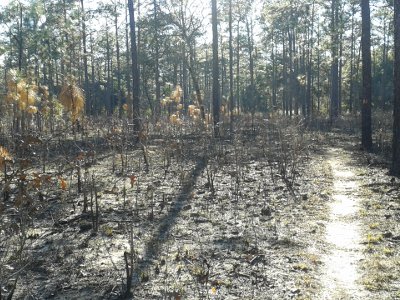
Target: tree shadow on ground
161,234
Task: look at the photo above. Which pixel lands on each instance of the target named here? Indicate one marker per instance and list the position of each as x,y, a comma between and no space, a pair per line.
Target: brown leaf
63,183
132,179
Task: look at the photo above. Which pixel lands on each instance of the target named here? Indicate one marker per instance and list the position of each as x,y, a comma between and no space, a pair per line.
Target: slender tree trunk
334,111
340,75
51,70
396,80
85,61
352,59
384,64
222,69
135,71
67,41
20,40
318,70
185,81
303,70
340,60
238,66
139,46
128,66
231,99
309,96
196,85
250,47
93,74
285,76
294,71
274,71
291,73
119,87
64,40
157,64
108,104
366,140
251,66
206,76
216,86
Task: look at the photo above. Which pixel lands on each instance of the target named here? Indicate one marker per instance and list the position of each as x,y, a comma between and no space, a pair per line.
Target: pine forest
184,149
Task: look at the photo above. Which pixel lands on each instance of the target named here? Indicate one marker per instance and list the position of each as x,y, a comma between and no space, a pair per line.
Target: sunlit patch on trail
341,276
343,205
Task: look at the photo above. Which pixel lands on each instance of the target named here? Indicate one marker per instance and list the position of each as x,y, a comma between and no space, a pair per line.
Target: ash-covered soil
192,217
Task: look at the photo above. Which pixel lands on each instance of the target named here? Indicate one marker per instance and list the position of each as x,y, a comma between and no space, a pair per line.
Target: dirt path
341,275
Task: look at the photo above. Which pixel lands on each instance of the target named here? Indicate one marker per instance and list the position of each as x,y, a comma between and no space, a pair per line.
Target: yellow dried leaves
177,94
71,97
20,92
32,110
175,119
4,156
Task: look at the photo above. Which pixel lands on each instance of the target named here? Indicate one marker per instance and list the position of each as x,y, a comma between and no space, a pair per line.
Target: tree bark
20,39
85,61
238,66
157,61
352,59
249,29
274,71
396,81
334,111
309,95
216,86
128,67
231,99
119,87
135,71
366,128
108,104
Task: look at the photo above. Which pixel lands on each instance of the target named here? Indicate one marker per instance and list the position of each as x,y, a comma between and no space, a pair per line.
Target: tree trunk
366,140
20,40
92,75
396,81
108,104
128,67
139,47
384,64
238,66
334,111
340,61
318,70
290,87
231,99
157,62
285,77
196,85
352,59
216,86
274,71
309,96
85,61
119,87
249,28
135,71
185,81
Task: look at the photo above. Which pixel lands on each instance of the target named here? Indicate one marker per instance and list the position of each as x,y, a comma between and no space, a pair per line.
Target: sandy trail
341,275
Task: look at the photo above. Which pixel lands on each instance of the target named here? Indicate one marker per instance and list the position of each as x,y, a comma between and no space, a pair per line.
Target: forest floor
271,214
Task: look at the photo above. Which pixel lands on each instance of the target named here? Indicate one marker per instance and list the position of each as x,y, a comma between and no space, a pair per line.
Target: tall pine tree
366,139
396,81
